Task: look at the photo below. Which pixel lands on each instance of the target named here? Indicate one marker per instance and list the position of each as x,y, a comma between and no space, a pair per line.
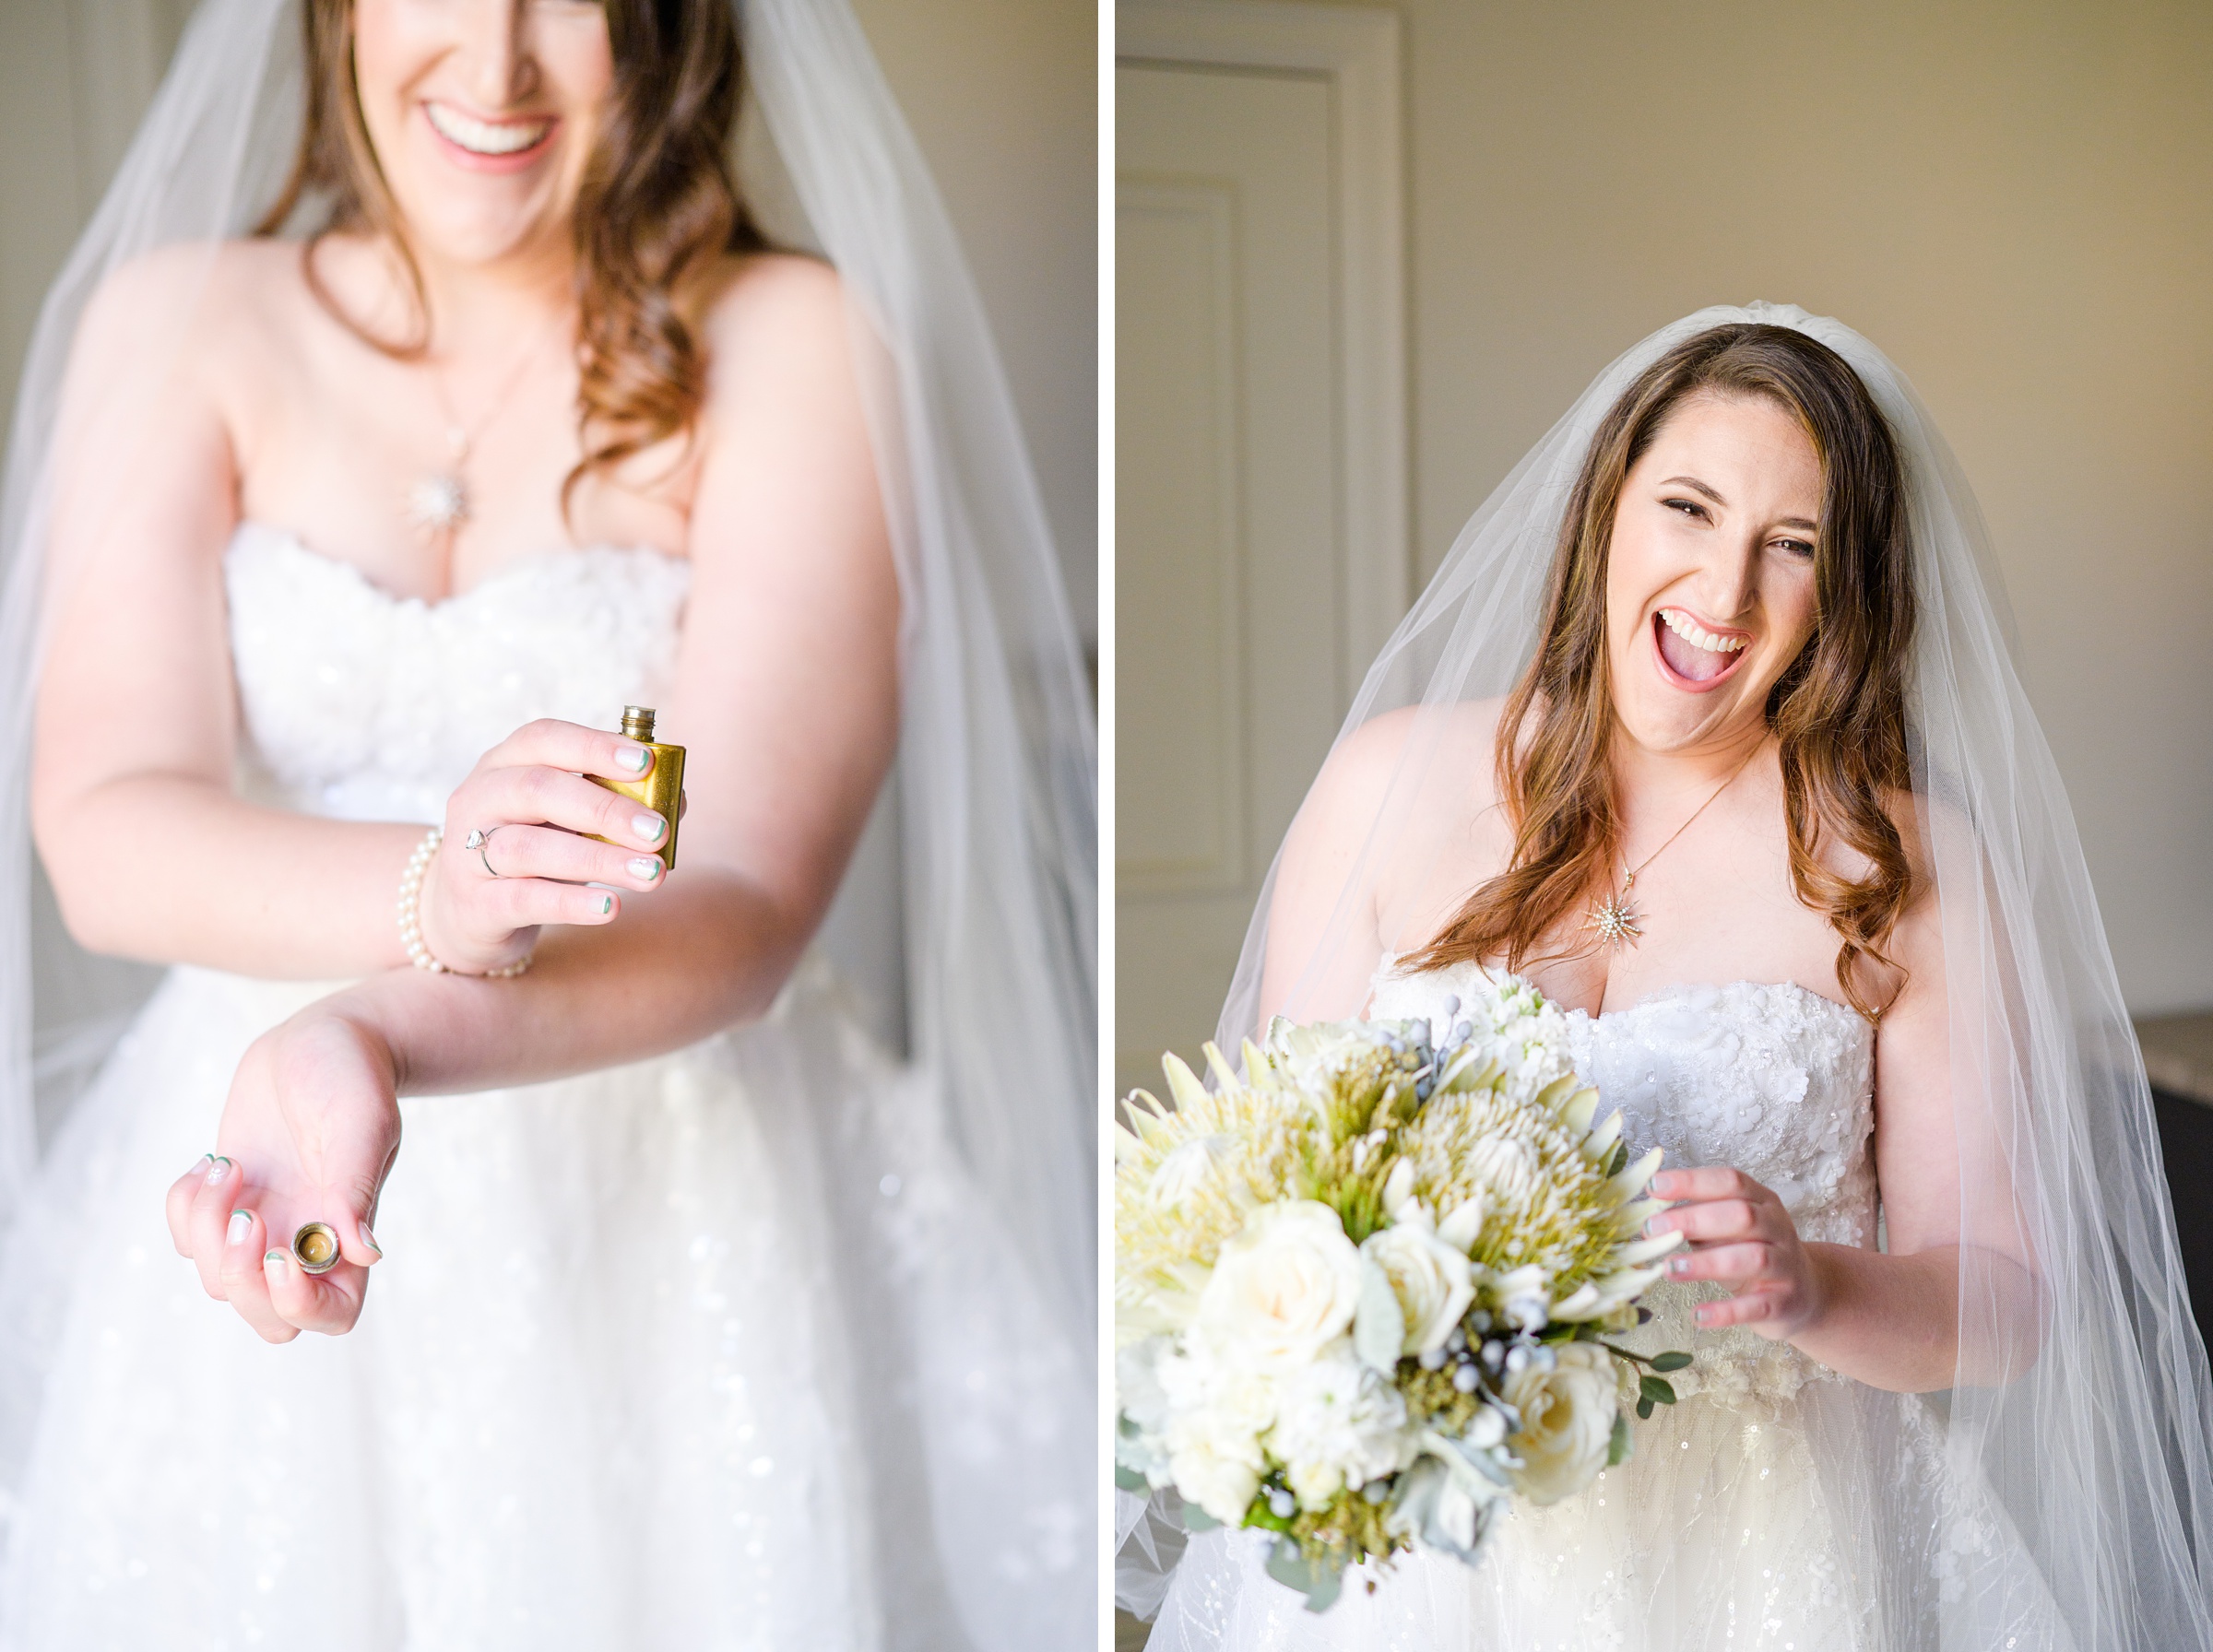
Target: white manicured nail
646,866
241,1223
649,827
635,757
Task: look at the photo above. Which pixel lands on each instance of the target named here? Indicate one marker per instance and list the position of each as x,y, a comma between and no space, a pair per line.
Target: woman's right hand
482,909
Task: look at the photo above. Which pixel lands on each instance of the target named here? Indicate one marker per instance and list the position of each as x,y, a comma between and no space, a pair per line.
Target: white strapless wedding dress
713,1350
1777,1507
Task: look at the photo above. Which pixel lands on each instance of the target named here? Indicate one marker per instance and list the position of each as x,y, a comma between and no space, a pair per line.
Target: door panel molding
1356,50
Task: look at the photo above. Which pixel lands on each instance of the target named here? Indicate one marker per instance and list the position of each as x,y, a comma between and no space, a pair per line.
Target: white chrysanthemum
1217,1410
1141,1437
1337,1424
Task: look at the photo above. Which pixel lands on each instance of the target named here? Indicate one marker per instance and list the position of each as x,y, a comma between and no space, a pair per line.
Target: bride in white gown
699,1318
1764,809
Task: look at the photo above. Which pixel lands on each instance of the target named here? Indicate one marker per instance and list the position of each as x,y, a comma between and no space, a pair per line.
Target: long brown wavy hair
657,211
1838,711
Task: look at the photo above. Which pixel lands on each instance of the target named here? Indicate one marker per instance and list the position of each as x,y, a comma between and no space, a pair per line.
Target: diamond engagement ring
477,839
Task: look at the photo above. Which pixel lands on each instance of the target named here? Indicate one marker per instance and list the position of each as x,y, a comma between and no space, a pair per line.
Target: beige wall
2015,201
1004,98
1001,95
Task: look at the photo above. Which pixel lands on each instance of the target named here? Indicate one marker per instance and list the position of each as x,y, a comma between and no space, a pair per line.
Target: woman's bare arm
787,707
786,695
1891,1319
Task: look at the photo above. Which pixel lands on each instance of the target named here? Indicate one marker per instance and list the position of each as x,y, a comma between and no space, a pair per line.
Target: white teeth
481,137
1691,632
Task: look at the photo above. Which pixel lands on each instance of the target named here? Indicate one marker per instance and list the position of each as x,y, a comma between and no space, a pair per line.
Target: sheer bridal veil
995,776
2070,1503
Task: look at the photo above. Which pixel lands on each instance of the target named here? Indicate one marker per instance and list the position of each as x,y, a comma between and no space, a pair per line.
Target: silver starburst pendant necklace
1616,918
438,504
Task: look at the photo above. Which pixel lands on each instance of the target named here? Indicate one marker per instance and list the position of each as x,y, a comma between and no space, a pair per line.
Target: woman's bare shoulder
789,297
1462,735
196,306
200,280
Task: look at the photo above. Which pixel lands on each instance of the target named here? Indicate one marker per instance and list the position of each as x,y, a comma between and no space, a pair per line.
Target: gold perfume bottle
660,788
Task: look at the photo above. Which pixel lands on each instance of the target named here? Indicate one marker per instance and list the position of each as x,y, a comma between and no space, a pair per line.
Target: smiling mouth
498,139
1691,652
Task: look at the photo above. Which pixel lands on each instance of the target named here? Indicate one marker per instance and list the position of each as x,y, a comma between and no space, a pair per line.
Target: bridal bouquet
1362,1295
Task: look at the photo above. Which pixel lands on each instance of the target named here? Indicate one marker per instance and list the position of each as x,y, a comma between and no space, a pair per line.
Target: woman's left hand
1742,1238
309,1133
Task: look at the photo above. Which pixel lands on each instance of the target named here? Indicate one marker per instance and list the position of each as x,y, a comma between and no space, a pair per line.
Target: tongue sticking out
1685,658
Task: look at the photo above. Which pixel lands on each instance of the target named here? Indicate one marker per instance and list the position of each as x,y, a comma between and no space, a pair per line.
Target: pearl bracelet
411,916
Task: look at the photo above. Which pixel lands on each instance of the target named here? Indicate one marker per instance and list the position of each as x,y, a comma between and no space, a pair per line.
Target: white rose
1219,1477
1337,1424
1284,1288
1433,1282
1566,1421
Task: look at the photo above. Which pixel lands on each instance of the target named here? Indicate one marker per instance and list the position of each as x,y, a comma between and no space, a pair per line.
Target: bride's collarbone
335,443
1694,931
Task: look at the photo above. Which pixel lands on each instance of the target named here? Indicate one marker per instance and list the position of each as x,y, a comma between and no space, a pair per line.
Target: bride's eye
1796,548
1689,507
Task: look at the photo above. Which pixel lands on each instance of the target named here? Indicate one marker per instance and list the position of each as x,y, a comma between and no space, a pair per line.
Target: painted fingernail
218,1168
606,904
274,1257
649,827
1657,1226
646,867
241,1223
636,759
370,1239
1679,1266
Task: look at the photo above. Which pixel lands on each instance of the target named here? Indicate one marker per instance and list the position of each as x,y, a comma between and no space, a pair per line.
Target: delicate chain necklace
1614,918
438,504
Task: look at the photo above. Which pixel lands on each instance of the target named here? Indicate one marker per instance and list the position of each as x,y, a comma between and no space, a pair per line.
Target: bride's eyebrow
1692,481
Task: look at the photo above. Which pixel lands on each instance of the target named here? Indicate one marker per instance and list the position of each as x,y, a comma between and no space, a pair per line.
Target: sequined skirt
702,1351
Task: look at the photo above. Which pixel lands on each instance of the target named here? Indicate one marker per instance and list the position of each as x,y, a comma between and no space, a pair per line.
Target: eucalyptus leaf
1658,1389
1129,1479
1378,1323
1197,1519
1617,1449
1644,1408
1673,1361
1319,1581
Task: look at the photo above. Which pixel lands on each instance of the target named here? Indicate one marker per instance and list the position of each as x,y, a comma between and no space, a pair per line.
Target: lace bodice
1775,1080
362,705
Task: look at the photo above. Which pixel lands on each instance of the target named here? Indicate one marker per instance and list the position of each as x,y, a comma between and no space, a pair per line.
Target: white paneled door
1242,596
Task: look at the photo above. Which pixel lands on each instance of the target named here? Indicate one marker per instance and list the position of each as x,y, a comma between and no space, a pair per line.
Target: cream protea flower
1187,1177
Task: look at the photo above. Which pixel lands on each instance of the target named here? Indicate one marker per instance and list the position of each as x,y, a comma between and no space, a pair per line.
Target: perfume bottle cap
316,1246
637,721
